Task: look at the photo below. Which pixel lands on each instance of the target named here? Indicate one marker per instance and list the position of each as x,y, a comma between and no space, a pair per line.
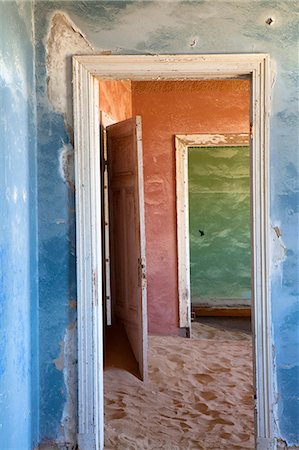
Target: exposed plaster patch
278,251
67,362
59,362
156,192
65,39
21,8
273,72
277,231
72,304
66,165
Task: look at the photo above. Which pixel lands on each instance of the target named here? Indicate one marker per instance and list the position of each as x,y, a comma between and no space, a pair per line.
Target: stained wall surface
66,28
169,108
18,262
116,99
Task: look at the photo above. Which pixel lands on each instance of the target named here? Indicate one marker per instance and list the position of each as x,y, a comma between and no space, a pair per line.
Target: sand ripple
199,395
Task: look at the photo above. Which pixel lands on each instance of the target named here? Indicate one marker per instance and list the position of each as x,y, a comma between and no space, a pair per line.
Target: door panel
127,238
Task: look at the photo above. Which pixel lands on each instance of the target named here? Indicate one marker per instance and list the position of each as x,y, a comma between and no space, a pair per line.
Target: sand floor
199,395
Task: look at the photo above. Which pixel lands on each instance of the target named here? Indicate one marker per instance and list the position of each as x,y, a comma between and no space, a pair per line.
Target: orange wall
169,108
116,98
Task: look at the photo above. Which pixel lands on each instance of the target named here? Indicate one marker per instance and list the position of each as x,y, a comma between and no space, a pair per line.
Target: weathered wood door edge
142,262
105,121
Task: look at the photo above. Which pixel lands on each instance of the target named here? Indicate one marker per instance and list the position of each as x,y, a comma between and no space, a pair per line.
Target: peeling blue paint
56,230
57,279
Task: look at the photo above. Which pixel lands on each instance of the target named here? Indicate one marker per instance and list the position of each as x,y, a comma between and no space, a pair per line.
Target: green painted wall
219,206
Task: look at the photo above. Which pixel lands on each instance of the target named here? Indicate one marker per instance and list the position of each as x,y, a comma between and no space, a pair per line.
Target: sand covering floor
199,395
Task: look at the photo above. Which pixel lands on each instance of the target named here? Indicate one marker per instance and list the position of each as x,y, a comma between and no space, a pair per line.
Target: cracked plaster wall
161,27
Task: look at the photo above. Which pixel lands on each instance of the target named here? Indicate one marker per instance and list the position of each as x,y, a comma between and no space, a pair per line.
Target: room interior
221,313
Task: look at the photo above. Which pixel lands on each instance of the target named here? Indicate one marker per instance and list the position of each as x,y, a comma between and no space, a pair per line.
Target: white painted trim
164,67
182,143
89,260
136,67
264,383
182,204
265,444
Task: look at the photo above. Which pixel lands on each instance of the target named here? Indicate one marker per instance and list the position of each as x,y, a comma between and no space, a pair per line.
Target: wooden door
127,235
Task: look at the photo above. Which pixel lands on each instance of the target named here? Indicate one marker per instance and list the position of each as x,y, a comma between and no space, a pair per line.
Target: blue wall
18,262
57,268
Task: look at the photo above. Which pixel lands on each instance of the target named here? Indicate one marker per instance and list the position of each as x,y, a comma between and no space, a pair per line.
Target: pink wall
169,108
116,98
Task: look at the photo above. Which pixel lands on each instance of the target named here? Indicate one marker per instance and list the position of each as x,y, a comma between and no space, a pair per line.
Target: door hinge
251,130
141,272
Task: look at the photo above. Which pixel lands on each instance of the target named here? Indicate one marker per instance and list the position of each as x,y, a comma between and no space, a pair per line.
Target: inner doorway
213,217
219,228
169,97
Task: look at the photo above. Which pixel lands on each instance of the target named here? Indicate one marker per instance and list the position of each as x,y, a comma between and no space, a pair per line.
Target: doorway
164,108
213,219
86,70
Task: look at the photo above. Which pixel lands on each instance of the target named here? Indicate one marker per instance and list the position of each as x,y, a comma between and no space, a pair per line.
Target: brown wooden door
127,236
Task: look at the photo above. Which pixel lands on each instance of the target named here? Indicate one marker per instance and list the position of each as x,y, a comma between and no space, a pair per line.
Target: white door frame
86,72
105,121
182,144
